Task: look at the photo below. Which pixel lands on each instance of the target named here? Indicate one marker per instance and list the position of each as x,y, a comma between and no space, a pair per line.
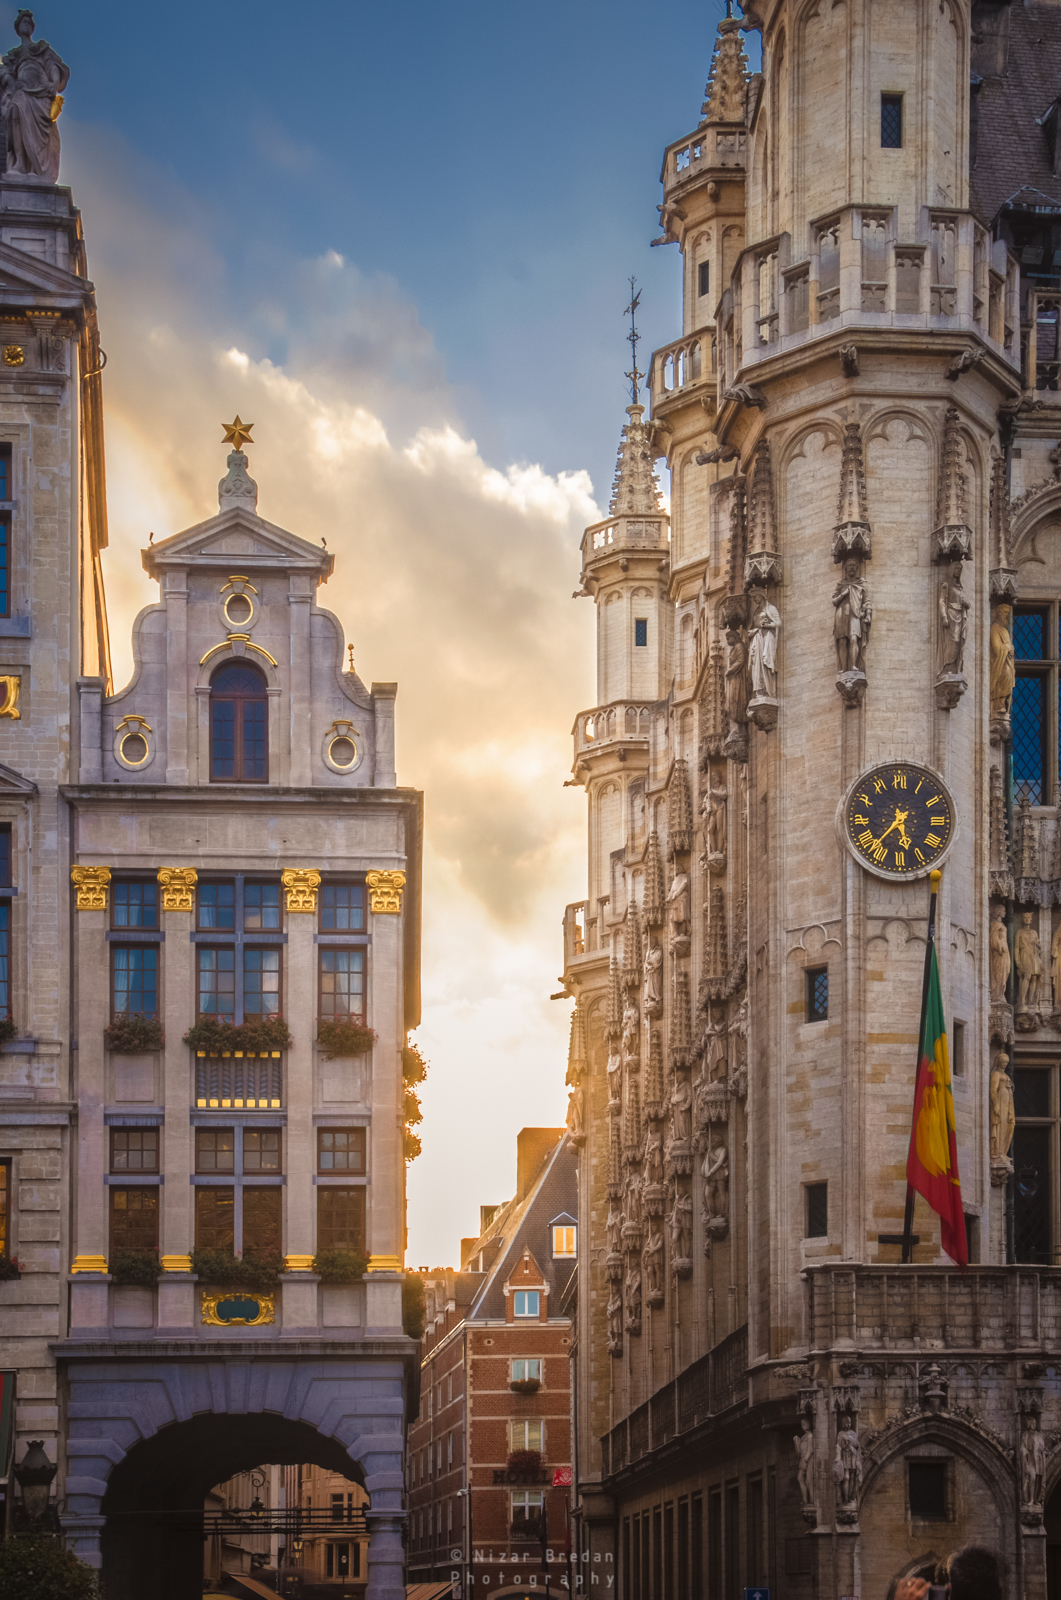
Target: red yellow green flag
932,1165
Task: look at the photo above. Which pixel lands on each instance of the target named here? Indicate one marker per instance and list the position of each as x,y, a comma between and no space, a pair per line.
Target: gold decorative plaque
9,706
301,884
14,355
177,885
385,891
238,1308
91,883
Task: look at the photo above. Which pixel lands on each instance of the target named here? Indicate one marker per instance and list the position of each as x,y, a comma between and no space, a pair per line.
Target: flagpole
908,1218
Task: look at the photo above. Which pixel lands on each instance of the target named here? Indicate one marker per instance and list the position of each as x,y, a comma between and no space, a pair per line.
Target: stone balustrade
932,1308
680,369
581,935
702,151
619,722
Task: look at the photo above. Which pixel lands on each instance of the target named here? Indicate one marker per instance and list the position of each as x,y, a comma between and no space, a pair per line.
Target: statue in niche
633,1201
631,1035
953,623
804,1443
32,79
615,1321
681,1104
1032,1462
1003,1121
680,1223
633,1297
847,1465
614,1227
654,980
1003,671
1000,962
738,691
678,913
852,617
762,654
575,1118
715,1175
653,1264
615,1079
653,1158
713,815
716,1050
1055,965
1029,964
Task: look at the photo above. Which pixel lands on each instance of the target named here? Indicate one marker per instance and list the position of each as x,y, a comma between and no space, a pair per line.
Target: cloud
453,577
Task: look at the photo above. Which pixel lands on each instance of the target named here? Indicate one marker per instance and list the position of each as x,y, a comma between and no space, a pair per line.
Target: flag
932,1165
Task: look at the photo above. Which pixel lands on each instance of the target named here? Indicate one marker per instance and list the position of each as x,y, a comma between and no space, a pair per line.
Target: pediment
24,274
13,783
237,534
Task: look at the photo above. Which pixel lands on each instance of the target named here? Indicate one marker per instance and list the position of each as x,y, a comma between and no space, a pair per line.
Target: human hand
912,1589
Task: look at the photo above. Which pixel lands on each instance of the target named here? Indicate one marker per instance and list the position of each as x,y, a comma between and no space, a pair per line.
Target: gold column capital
91,884
385,1264
89,1263
385,891
298,1263
301,884
176,1263
177,885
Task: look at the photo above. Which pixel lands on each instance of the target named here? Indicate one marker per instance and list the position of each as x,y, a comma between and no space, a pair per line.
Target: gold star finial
237,433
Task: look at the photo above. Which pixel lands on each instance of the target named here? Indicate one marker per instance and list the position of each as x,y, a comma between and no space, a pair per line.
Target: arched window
239,728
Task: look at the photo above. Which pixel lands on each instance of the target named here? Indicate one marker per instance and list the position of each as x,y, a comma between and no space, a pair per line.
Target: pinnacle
726,95
635,491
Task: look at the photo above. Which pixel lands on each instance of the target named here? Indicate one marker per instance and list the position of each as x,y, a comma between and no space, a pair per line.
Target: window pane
214,1212
1031,1092
261,983
261,1219
527,1303
340,1149
1029,730
215,1150
5,566
135,905
134,1219
342,983
261,906
340,1218
217,983
254,739
5,973
891,121
5,1207
1033,1183
1029,634
524,1369
223,739
817,1210
261,1150
217,905
136,980
134,1149
342,907
5,855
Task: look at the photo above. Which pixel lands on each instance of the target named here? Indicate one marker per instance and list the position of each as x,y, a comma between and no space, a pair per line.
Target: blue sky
398,240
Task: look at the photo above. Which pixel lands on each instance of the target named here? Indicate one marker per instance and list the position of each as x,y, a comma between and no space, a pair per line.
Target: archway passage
153,1536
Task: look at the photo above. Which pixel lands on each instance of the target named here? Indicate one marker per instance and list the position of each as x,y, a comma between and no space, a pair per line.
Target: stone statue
853,615
1002,1115
653,1157
681,1104
738,688
653,1264
633,1201
653,980
32,78
678,900
615,1321
716,1051
615,1079
713,812
1055,967
1000,960
762,655
847,1465
953,623
1029,964
1032,1462
633,1298
1003,672
715,1174
613,1227
680,1223
804,1443
575,1119
631,1034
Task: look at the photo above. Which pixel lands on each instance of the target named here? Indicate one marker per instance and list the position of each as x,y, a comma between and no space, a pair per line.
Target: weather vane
633,336
237,433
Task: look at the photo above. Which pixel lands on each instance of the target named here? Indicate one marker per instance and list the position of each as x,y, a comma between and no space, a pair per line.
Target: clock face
899,820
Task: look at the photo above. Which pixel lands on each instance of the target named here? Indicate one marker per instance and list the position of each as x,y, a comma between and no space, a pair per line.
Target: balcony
682,371
700,153
239,1081
620,535
709,1387
932,1308
580,933
620,722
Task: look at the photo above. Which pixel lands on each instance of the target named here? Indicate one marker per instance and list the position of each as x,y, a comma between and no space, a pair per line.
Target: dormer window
527,1303
239,740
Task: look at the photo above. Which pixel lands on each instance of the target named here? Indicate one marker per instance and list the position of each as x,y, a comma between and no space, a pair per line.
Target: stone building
219,846
490,1452
861,422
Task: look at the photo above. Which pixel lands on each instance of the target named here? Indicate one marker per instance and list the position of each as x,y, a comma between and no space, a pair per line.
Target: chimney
533,1145
467,1248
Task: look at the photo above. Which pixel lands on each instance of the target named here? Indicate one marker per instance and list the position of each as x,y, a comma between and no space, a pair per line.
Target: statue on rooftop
32,78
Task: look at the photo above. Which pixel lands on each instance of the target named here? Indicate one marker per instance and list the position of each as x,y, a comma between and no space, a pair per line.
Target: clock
898,820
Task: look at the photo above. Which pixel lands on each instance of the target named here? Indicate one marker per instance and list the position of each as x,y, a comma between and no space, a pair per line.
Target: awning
250,1586
429,1591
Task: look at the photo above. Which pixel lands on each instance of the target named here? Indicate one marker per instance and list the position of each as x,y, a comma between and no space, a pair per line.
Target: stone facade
861,426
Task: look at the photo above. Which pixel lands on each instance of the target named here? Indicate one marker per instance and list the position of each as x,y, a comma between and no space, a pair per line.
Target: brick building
491,1448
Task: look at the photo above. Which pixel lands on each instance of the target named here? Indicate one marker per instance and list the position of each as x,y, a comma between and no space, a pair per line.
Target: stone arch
1030,516
793,446
230,653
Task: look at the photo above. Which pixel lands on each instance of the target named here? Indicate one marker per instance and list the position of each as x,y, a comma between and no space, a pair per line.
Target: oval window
238,608
134,749
343,751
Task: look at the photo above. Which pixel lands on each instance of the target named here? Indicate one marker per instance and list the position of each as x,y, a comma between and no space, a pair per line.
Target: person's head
24,24
973,1574
851,568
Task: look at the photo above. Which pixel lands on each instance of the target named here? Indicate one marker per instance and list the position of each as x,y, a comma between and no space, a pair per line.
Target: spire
680,818
852,535
633,957
952,537
635,492
655,888
762,564
576,1049
615,999
727,83
1003,573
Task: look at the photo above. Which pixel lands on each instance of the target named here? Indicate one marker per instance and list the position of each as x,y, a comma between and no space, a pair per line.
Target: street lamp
466,1494
34,1474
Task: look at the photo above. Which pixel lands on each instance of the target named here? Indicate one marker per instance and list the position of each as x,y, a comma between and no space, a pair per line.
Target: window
891,121
1035,1163
564,1241
217,983
342,979
261,907
134,1149
217,906
527,1371
337,1560
238,725
5,563
928,1490
215,1150
5,472
817,1210
261,983
527,1435
526,1505
526,1303
641,631
134,905
5,952
703,278
1034,705
342,908
262,1213
134,1219
340,1150
240,980
215,1217
261,1150
340,1218
5,1210
5,855
135,990
958,1048
817,979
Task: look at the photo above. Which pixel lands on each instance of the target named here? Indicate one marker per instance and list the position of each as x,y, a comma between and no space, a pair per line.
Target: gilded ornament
14,355
385,891
176,1263
235,1308
91,883
177,885
237,433
9,707
298,1263
385,1264
301,884
89,1264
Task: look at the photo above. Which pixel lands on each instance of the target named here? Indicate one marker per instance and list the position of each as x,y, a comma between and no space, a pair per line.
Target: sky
398,239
